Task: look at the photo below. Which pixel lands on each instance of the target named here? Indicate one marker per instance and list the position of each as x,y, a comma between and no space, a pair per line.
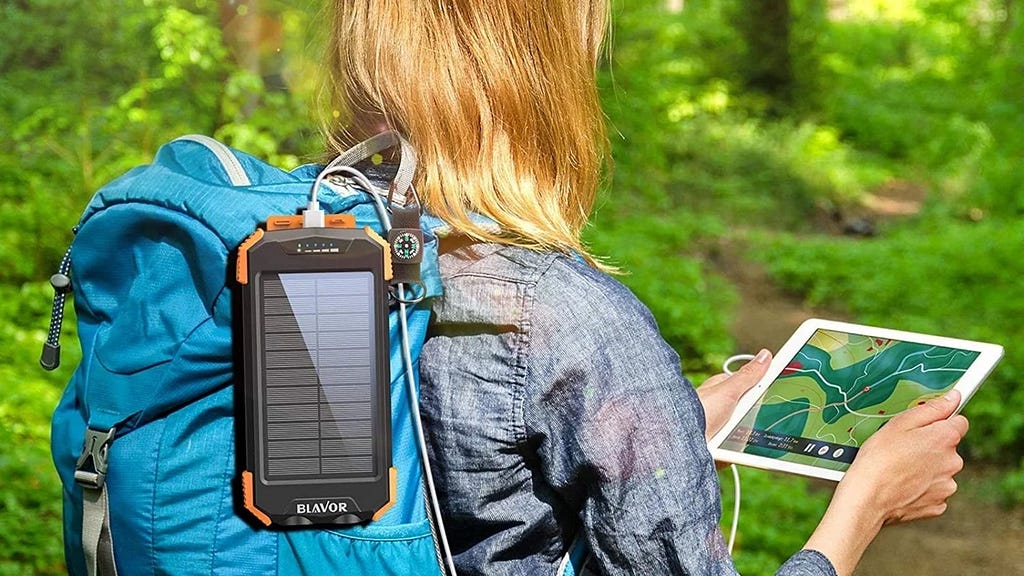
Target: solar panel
319,375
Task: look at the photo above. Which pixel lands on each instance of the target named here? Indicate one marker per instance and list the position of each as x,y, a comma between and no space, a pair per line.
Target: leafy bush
30,495
91,90
777,515
936,87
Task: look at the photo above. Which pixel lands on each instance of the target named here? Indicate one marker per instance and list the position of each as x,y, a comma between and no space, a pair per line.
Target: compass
406,246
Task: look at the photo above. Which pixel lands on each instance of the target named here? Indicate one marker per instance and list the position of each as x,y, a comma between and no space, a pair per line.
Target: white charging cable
735,471
310,219
414,399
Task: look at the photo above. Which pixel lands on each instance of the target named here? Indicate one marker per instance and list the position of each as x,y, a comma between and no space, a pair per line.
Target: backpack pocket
151,276
371,550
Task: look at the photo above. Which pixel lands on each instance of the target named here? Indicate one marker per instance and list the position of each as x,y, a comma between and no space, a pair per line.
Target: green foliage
91,89
660,72
777,515
686,137
938,87
30,494
779,56
1012,486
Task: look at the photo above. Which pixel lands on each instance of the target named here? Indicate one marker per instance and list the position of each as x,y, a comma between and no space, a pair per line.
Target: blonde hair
498,98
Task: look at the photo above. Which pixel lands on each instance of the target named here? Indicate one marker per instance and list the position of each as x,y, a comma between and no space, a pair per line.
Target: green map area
838,390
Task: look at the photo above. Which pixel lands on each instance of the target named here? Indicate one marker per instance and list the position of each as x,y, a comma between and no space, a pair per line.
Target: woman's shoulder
553,289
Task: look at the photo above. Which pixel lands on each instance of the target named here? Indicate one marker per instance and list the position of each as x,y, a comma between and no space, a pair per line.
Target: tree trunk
765,25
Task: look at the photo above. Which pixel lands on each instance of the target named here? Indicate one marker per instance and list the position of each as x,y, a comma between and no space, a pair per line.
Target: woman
553,406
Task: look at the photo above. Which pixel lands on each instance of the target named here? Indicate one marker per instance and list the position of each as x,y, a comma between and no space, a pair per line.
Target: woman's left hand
720,393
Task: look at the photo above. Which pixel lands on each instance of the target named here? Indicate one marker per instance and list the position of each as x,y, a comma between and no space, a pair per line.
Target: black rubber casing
327,496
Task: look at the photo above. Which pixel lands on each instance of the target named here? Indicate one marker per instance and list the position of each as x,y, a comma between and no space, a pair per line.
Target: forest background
863,156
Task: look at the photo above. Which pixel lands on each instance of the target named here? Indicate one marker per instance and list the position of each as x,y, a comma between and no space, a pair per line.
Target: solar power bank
316,378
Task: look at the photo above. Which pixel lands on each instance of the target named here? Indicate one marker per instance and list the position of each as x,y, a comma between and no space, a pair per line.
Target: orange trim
393,486
247,495
388,272
284,222
242,265
340,221
330,221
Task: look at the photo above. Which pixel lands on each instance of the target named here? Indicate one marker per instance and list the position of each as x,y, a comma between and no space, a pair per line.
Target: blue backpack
144,435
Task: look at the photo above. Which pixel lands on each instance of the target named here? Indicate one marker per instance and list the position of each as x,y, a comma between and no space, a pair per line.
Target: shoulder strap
376,144
228,160
575,560
90,473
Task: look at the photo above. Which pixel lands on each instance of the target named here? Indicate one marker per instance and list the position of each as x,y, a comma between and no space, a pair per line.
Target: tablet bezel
989,355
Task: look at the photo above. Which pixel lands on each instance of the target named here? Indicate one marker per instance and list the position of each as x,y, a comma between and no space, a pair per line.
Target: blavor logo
324,507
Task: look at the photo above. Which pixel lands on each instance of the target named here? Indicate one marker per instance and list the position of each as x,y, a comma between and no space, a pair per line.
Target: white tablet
833,384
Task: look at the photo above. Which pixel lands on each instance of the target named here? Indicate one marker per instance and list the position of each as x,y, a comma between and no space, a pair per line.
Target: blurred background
774,160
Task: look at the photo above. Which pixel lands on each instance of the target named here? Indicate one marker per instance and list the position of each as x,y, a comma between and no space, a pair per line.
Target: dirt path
971,538
974,537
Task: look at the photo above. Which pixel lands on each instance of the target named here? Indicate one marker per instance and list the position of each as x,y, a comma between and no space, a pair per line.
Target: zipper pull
61,282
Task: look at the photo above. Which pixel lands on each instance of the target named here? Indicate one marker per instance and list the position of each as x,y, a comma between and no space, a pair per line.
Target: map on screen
838,390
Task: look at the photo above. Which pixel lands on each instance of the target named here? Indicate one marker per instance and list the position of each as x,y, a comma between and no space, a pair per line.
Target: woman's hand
903,472
720,393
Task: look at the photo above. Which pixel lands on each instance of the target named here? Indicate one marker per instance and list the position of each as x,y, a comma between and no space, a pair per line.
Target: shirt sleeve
620,431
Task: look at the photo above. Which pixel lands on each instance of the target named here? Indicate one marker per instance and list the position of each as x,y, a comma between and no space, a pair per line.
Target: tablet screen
838,390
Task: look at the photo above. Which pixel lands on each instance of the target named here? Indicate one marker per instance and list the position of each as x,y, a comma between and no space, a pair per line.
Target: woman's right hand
903,472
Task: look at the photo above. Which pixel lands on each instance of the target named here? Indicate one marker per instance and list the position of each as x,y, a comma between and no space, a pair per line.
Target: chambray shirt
553,409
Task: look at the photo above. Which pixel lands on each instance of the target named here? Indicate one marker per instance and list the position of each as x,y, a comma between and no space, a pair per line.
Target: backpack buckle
91,467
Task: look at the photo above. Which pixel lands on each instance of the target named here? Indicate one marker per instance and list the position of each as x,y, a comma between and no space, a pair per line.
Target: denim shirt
554,408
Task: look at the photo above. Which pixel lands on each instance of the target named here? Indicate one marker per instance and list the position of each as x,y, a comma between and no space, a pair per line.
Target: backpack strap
90,473
575,560
228,160
376,144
